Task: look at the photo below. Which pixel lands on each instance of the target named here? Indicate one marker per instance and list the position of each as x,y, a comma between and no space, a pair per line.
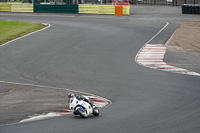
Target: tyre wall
191,9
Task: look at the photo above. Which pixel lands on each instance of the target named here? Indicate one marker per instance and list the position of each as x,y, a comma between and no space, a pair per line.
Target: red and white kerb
152,56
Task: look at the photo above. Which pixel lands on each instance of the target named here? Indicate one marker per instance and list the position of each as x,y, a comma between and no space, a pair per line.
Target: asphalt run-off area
100,56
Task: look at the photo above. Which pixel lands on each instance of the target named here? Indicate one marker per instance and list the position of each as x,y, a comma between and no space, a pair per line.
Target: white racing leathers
82,108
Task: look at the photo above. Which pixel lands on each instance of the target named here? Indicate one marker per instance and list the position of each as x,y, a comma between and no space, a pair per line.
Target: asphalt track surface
95,54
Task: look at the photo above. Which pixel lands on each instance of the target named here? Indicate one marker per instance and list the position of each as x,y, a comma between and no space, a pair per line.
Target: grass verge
10,30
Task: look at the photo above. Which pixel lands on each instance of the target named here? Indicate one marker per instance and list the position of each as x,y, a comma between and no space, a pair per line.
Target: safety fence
97,9
104,9
4,7
69,8
22,8
126,10
7,7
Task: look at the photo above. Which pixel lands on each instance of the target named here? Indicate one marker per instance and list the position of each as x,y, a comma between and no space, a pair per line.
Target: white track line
41,86
152,55
52,114
99,103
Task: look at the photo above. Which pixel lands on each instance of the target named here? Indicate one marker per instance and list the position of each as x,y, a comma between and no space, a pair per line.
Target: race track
96,54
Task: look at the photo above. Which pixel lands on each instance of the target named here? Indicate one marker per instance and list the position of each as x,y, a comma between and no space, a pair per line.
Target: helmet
87,98
70,95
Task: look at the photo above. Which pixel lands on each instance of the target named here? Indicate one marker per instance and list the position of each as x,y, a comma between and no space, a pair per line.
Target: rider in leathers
70,95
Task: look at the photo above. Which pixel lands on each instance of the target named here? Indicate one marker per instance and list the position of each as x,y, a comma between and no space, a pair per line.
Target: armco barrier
102,9
126,10
97,9
9,7
22,8
55,8
4,7
75,8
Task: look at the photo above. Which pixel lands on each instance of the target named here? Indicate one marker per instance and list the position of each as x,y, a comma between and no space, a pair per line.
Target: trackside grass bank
10,30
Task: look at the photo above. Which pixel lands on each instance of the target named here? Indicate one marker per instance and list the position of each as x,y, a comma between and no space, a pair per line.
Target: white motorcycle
82,108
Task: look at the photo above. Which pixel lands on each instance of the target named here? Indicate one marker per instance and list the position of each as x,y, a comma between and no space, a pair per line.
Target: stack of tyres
198,9
187,9
194,9
183,9
190,9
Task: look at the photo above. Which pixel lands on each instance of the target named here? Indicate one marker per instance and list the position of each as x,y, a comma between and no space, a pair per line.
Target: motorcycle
82,108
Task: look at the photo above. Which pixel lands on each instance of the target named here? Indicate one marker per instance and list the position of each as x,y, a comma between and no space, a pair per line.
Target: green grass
10,30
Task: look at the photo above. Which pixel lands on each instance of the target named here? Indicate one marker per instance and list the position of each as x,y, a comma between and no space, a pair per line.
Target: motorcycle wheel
76,112
83,113
95,112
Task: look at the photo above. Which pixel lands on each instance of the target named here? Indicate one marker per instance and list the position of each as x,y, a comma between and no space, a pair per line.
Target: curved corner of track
51,101
152,56
98,101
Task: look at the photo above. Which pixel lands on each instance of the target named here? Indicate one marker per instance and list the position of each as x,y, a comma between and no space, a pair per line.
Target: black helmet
70,95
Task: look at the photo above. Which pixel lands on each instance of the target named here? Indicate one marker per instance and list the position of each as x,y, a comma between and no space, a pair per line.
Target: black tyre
95,112
83,113
76,112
